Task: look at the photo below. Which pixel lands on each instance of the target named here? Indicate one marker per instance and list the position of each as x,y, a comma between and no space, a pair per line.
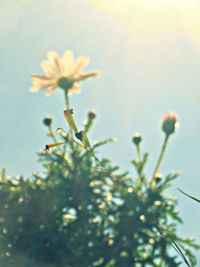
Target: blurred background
148,53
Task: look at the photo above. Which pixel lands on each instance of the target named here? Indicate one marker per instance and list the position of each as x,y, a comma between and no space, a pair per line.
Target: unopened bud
92,115
158,177
88,123
170,123
137,138
47,121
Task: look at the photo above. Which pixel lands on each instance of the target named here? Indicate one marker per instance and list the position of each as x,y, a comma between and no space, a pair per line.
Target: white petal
80,64
68,61
42,81
74,90
40,77
51,55
47,68
50,90
34,89
55,62
87,76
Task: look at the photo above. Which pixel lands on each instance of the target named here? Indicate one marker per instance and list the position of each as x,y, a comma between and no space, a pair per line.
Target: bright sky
148,52
155,15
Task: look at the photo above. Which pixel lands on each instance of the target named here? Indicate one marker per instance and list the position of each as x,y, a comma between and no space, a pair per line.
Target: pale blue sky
143,76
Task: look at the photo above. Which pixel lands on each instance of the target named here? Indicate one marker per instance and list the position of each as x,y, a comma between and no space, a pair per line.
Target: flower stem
160,156
51,133
138,153
3,173
68,107
67,100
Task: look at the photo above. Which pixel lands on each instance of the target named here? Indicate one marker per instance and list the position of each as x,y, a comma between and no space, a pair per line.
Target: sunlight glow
155,15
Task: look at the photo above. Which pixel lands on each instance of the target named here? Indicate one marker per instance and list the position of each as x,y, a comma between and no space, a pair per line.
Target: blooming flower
170,123
64,72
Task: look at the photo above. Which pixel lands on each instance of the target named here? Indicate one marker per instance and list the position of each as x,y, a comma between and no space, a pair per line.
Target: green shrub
80,214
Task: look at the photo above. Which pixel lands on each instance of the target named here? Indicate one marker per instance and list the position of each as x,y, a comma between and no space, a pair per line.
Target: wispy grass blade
177,249
180,252
194,198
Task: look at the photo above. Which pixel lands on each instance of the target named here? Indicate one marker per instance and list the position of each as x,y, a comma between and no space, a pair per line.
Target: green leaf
68,116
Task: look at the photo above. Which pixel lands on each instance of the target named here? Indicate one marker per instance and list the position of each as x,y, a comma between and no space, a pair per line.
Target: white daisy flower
64,72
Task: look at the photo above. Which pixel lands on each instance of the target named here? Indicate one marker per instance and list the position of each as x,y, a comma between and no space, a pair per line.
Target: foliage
84,212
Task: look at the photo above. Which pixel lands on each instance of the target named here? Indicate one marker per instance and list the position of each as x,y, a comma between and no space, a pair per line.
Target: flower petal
51,55
50,90
40,77
80,64
87,76
68,61
47,68
41,82
74,90
34,89
55,62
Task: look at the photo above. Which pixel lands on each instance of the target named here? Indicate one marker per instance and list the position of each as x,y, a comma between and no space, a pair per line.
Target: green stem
3,173
88,126
160,156
68,107
67,100
138,160
138,153
51,133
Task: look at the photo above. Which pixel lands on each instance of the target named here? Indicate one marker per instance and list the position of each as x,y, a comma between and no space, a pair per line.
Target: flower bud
92,115
170,123
158,177
137,138
47,121
88,123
